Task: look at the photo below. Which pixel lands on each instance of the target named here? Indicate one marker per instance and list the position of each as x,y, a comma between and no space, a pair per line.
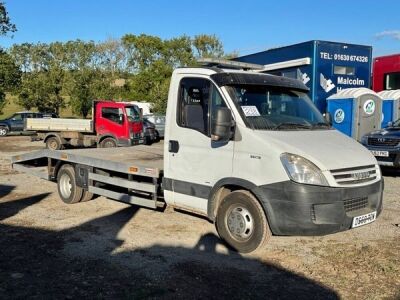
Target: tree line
51,76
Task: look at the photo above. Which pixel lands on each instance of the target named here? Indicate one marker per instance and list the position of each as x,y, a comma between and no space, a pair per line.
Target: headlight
302,170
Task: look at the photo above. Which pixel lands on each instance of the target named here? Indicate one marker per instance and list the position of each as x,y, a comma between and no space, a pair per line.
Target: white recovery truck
247,150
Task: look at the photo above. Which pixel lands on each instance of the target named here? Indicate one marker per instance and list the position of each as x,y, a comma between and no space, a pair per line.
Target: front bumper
299,209
129,142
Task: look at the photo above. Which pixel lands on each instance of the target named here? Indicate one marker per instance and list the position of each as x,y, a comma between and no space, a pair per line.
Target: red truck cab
117,123
386,73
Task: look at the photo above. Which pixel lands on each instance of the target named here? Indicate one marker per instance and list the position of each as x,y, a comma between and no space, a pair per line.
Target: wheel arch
226,186
101,138
54,134
5,125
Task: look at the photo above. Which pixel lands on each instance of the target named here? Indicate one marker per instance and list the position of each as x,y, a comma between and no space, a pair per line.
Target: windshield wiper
320,124
290,125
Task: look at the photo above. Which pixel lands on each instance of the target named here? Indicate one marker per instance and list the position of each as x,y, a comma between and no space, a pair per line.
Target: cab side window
17,117
113,114
193,104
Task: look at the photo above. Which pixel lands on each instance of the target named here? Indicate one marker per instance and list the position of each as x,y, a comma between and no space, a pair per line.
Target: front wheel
3,131
108,143
242,223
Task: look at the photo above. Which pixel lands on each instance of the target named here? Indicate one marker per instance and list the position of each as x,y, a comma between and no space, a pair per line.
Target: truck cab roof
226,77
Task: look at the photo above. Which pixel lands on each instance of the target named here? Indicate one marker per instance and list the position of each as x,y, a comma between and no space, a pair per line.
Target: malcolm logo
303,76
326,83
360,175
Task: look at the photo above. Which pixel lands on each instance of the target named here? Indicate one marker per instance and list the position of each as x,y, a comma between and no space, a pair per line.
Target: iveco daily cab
249,151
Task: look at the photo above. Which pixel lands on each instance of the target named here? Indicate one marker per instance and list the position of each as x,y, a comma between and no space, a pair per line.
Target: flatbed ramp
136,170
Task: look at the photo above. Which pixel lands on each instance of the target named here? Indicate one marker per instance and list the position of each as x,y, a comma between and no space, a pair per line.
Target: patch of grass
12,107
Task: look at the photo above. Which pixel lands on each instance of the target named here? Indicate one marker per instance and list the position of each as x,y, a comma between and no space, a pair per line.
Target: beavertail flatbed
130,174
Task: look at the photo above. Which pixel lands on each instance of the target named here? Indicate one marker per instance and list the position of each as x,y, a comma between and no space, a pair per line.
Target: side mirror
390,124
222,125
328,118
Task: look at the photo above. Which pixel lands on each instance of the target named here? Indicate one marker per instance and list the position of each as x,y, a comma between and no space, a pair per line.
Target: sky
243,26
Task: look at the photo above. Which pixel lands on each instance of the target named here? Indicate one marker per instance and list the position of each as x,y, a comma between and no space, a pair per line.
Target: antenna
229,64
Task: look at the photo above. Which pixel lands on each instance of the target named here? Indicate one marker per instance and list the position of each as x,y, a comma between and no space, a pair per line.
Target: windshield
133,113
271,108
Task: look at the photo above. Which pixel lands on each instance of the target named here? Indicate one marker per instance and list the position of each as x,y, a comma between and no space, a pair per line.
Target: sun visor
236,78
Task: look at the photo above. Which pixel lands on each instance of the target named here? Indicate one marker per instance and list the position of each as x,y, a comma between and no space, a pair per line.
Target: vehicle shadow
87,261
390,172
5,190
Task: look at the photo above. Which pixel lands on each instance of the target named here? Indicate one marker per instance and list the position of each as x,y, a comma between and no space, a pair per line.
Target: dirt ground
105,249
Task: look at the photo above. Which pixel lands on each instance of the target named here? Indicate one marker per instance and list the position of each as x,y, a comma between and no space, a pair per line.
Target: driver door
196,162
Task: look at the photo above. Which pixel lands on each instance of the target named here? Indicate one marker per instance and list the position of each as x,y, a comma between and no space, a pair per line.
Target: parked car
159,122
16,122
385,144
149,130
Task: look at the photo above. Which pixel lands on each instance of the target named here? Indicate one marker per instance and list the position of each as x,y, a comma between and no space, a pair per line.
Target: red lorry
113,124
386,73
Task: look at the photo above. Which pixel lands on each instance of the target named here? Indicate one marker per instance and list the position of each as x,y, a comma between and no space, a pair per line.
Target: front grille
355,204
356,175
388,142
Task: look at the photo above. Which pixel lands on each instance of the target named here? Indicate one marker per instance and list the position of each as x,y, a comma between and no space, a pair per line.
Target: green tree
5,23
10,76
208,46
82,91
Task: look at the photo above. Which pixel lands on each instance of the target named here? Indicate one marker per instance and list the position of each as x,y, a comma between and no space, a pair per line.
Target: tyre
242,223
68,191
3,131
86,196
157,139
53,143
108,143
148,141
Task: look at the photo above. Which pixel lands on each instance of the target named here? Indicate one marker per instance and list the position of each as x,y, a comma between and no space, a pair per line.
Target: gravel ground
106,249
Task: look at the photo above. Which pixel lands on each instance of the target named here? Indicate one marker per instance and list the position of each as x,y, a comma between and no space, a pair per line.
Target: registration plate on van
364,219
380,153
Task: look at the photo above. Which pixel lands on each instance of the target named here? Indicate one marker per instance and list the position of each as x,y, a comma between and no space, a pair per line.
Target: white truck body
305,180
59,124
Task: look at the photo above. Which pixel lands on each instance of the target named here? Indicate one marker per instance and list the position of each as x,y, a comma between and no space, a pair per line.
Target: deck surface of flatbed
141,160
146,156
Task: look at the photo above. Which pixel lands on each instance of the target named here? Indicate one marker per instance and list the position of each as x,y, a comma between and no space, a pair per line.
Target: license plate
380,153
364,219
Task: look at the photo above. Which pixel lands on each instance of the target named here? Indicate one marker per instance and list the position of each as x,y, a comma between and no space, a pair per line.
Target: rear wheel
241,222
68,191
3,131
86,196
53,143
108,143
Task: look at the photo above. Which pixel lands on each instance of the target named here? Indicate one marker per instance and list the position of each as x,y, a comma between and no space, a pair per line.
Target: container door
341,111
387,112
369,115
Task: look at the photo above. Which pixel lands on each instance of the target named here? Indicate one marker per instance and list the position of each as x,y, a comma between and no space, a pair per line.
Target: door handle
173,146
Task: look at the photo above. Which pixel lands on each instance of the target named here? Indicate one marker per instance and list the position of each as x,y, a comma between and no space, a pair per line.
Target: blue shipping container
325,67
